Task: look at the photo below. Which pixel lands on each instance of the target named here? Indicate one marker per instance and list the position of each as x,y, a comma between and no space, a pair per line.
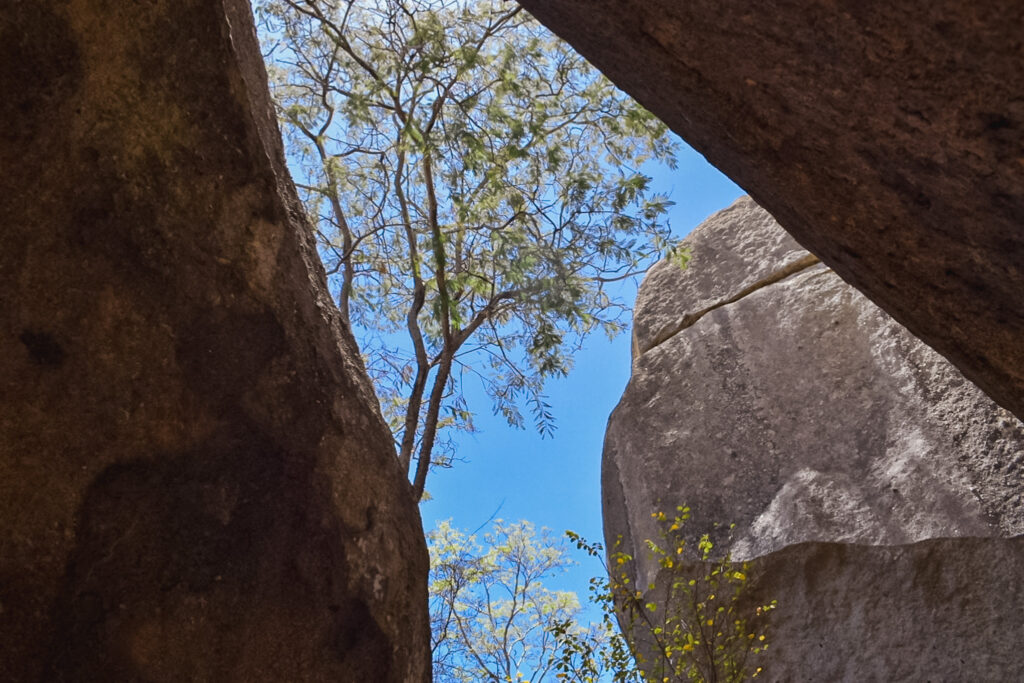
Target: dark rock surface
768,393
888,138
195,484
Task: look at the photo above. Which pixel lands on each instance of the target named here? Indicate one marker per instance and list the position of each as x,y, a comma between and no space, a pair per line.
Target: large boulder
195,483
768,393
888,138
945,609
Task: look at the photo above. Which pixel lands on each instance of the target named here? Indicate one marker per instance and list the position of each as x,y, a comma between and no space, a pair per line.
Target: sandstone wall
195,483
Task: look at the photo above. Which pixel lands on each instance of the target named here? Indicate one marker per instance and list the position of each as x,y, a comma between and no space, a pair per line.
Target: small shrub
688,625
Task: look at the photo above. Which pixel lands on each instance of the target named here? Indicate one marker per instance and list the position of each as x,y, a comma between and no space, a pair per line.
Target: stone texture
195,484
739,250
796,409
939,610
888,138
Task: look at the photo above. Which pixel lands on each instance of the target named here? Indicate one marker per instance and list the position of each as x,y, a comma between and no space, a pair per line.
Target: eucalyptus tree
475,185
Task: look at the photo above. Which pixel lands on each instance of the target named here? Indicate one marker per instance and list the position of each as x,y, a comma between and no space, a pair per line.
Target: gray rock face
946,609
195,482
886,137
768,393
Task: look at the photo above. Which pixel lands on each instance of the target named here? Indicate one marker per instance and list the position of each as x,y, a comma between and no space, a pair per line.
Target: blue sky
555,482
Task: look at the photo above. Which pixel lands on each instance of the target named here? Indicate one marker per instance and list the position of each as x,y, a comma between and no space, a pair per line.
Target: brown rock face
878,493
194,483
888,138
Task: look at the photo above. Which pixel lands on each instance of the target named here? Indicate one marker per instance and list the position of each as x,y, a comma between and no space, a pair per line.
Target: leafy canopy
492,618
475,185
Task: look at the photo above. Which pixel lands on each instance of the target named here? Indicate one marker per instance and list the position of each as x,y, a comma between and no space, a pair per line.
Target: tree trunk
444,371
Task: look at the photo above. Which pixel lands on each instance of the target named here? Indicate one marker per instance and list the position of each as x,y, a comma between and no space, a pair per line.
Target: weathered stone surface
888,138
194,483
740,250
800,411
939,610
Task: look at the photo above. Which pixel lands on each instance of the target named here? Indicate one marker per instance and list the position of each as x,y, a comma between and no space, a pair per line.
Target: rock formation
873,485
195,484
888,138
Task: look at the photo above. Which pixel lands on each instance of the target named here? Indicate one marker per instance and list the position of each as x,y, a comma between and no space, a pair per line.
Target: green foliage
582,658
492,618
689,623
475,186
